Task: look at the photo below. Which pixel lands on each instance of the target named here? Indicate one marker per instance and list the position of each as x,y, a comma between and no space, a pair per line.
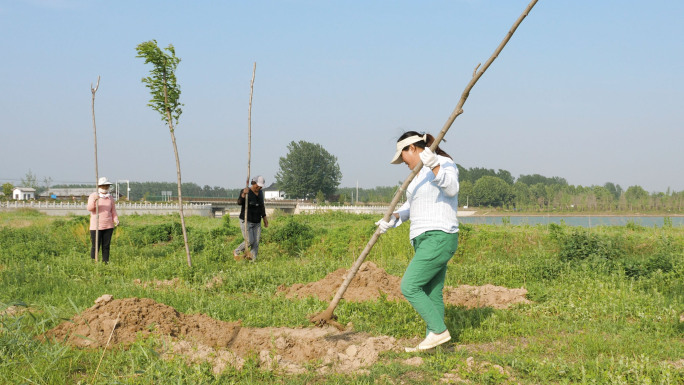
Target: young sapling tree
165,100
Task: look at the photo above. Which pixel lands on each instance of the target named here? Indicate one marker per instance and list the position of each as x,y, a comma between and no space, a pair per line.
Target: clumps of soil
198,338
472,368
174,283
505,346
372,282
488,295
290,351
157,284
217,281
13,311
121,321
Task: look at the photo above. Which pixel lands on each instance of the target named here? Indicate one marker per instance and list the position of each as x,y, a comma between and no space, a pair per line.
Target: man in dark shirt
251,229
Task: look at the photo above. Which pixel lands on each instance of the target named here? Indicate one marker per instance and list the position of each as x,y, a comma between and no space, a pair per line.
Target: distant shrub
293,237
464,232
80,219
636,268
662,260
29,242
196,240
581,245
150,234
631,225
77,220
556,231
225,229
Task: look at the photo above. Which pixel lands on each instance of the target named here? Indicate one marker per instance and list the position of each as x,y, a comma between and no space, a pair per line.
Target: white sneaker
431,341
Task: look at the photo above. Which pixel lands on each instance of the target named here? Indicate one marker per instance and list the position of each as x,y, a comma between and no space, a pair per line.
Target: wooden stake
97,203
245,233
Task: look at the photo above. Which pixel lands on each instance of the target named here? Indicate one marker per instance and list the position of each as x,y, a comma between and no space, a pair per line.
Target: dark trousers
104,242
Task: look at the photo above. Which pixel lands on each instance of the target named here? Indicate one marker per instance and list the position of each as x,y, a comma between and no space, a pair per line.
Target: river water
583,221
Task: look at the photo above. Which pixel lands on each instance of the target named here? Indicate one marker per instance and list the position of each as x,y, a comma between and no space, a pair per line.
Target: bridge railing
122,208
83,205
312,209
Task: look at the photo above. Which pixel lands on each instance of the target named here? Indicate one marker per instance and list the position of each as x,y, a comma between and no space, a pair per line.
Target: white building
272,193
23,193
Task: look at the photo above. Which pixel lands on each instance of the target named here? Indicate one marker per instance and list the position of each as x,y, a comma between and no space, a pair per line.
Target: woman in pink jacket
107,215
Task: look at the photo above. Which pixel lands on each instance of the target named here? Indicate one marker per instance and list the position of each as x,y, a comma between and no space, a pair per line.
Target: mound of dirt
371,282
197,337
121,321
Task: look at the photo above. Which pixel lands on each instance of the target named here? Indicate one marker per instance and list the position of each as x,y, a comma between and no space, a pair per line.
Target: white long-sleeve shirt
432,201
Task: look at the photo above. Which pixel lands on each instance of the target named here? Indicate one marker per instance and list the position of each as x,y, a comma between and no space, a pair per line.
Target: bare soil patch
13,311
498,297
503,375
158,284
197,337
291,351
372,282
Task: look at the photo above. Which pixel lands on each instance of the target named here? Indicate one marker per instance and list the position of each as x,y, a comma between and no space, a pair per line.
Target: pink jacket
107,212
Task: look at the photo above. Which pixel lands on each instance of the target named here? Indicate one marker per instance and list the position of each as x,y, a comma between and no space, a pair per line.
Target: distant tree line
489,188
479,187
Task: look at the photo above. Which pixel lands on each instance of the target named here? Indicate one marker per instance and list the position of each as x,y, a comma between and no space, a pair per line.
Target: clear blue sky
591,91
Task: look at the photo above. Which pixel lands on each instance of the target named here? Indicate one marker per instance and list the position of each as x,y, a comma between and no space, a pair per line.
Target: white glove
429,158
116,222
384,225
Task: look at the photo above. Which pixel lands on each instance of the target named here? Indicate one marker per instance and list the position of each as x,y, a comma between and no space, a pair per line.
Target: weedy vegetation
608,302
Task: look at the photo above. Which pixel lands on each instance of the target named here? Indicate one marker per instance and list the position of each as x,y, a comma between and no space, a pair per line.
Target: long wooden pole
97,177
245,233
327,315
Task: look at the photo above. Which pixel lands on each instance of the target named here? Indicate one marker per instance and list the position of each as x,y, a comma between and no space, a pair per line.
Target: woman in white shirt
431,205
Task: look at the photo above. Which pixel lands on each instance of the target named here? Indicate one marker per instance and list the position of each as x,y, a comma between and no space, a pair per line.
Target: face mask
103,191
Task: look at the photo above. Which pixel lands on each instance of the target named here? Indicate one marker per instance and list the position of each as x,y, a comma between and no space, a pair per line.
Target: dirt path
198,337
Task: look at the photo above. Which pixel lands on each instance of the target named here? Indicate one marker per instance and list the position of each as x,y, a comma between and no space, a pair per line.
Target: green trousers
423,280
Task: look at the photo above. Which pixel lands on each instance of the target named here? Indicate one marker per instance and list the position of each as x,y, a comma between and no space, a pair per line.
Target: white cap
259,180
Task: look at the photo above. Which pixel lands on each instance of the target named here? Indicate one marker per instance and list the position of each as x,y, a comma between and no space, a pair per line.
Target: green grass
607,301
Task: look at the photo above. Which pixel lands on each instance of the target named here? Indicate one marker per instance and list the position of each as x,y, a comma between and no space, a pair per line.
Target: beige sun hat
104,182
405,142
